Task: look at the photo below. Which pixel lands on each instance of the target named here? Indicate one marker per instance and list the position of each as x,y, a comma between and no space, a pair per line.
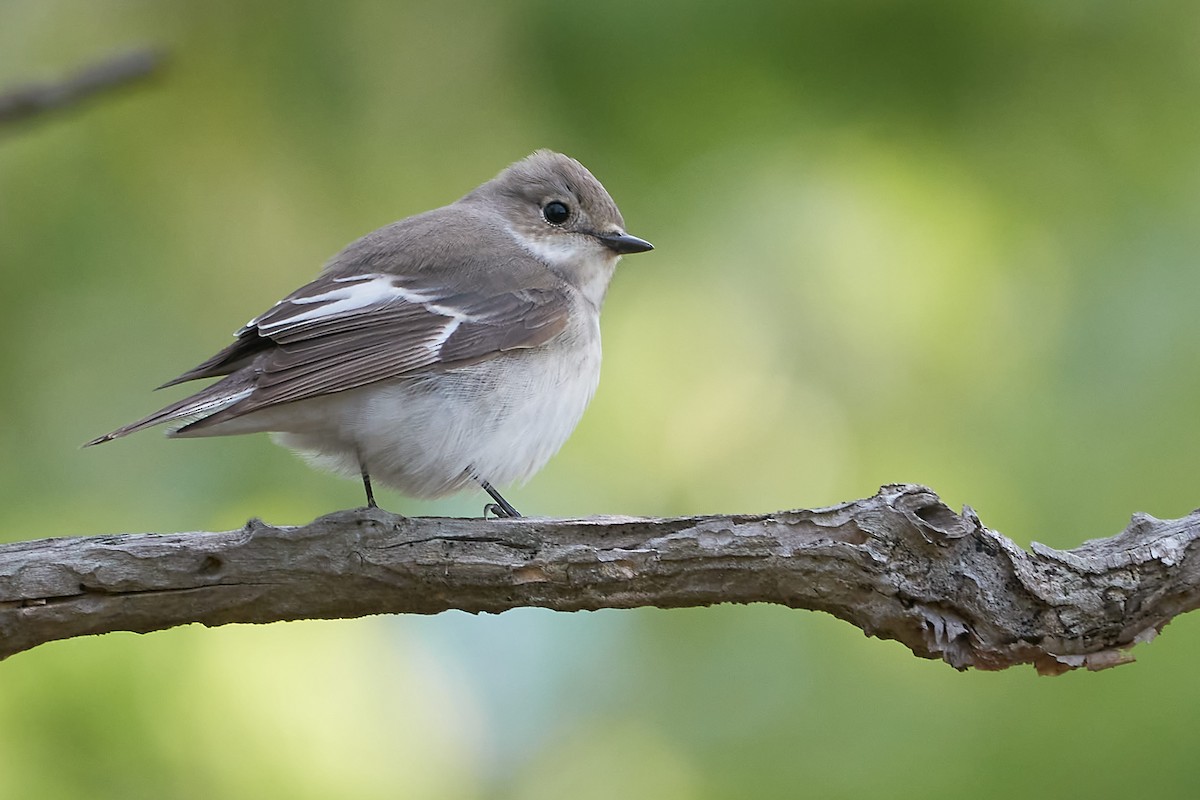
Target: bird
453,348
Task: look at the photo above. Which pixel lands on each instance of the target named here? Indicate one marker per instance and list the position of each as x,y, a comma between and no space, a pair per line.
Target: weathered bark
899,565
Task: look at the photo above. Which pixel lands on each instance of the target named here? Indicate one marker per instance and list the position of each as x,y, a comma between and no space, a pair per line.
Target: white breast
501,419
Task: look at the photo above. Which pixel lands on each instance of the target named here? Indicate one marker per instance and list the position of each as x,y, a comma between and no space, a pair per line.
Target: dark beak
624,244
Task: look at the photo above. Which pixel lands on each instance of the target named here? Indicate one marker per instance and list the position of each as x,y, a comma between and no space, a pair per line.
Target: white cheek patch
559,251
552,252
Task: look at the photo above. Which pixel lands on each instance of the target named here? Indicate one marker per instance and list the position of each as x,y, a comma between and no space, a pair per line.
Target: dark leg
501,508
367,485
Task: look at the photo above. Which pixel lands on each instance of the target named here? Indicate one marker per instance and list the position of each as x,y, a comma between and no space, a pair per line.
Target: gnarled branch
899,565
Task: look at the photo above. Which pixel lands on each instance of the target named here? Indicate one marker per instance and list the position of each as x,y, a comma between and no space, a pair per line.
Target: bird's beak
624,244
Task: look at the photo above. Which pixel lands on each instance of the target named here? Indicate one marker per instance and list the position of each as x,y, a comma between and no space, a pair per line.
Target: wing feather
342,333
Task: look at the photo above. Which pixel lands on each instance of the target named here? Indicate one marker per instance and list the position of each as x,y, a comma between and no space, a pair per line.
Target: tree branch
34,99
899,565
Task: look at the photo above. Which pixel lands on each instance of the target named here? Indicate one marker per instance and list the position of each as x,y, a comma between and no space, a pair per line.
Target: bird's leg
501,508
367,485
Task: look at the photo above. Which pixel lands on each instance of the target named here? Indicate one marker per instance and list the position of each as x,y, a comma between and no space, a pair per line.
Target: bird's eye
556,213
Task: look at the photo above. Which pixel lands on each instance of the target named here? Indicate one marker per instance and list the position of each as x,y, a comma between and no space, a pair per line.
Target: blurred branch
900,565
33,99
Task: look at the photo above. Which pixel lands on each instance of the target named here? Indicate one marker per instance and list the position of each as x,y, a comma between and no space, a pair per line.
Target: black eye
556,213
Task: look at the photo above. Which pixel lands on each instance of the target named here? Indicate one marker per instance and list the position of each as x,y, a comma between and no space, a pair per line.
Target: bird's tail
206,402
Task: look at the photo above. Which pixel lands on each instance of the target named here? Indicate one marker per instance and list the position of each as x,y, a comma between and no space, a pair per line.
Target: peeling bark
900,565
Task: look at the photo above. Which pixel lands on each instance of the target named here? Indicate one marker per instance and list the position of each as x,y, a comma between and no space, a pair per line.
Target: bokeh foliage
950,243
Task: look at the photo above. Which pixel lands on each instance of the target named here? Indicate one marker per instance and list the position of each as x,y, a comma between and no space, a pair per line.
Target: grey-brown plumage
458,345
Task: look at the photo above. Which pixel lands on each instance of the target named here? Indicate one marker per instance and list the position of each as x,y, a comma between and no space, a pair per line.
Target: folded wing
343,332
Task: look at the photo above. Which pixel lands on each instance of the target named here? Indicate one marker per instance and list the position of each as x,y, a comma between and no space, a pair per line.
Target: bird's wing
344,331
340,333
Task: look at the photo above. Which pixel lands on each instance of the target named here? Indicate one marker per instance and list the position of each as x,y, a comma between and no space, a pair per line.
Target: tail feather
215,398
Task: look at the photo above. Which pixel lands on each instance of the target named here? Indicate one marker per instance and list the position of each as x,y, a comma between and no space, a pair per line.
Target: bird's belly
427,435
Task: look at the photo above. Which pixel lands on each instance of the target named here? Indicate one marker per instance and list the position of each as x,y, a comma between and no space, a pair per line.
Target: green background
939,242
